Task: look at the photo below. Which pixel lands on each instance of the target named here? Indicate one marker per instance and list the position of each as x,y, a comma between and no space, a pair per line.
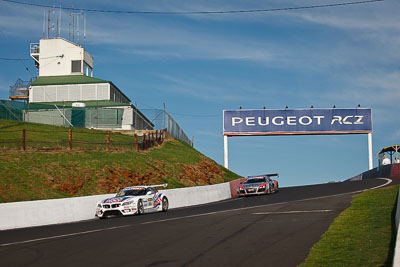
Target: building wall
122,118
72,92
51,117
76,92
117,96
56,56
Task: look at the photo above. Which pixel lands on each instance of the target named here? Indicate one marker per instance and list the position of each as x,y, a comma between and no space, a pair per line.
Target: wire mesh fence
10,110
73,139
162,120
95,115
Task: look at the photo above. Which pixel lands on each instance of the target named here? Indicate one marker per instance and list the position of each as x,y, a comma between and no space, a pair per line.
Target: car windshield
255,180
135,192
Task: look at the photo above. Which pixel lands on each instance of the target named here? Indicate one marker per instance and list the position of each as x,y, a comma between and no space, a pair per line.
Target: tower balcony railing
35,48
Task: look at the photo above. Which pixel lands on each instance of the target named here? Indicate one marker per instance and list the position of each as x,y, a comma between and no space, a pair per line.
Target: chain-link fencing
162,120
94,115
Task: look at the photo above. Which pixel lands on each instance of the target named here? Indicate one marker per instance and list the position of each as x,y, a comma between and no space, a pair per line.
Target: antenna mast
48,24
77,27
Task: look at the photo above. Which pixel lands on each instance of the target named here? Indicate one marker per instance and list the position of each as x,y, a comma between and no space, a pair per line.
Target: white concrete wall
51,211
44,212
190,196
396,258
56,54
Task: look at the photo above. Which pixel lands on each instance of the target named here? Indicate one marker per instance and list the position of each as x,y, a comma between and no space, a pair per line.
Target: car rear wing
263,175
159,185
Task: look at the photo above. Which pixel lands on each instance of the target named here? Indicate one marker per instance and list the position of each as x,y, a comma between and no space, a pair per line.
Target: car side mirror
148,193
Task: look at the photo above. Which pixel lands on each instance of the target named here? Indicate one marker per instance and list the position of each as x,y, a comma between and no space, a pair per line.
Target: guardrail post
23,139
70,139
108,141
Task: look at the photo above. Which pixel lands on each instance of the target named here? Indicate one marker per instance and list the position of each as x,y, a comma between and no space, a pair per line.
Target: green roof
66,79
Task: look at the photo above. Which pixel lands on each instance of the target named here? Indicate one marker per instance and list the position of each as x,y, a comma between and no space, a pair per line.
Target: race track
274,230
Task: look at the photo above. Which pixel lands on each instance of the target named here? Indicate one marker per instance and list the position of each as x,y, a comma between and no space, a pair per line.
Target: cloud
206,91
158,39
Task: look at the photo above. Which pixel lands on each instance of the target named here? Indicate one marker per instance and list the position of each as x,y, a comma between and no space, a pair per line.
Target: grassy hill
59,173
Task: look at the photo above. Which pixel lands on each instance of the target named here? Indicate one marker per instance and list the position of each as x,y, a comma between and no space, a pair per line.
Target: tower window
76,66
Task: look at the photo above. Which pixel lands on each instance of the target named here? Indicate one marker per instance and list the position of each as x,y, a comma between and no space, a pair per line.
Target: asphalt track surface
274,230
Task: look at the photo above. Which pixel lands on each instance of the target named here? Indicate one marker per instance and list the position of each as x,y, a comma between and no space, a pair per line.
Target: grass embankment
42,137
363,235
34,175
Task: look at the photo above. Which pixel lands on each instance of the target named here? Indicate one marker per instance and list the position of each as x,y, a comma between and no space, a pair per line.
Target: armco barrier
53,211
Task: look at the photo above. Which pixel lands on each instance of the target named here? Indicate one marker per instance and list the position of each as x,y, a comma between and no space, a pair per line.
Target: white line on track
187,217
291,212
66,235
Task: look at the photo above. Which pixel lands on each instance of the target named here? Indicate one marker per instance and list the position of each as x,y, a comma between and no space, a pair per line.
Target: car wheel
140,207
164,204
269,190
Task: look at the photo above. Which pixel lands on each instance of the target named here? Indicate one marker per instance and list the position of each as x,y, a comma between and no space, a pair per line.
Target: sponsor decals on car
134,188
157,200
115,199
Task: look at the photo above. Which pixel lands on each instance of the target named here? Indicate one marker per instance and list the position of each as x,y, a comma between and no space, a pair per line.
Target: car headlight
127,203
99,205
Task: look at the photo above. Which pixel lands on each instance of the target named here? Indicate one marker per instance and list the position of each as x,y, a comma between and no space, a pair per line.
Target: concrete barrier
190,196
52,211
234,186
49,211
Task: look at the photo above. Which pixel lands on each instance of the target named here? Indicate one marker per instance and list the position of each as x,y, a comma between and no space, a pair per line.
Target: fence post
136,143
108,141
144,141
70,139
23,139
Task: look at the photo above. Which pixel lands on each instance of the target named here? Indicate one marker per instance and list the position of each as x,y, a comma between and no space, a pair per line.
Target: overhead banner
297,121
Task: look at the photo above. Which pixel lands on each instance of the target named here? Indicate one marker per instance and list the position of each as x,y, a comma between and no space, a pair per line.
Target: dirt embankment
112,179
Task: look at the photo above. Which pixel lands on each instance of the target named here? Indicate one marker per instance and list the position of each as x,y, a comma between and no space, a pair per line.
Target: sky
201,64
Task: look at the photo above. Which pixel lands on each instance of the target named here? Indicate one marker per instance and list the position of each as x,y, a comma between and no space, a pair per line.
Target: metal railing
34,48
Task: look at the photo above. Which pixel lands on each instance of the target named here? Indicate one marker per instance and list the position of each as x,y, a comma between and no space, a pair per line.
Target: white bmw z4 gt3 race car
133,200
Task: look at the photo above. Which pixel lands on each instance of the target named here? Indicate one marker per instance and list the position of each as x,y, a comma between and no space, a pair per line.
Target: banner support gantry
226,165
371,164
